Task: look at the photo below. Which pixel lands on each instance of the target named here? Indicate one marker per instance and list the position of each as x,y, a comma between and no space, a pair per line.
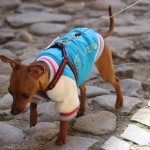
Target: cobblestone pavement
28,26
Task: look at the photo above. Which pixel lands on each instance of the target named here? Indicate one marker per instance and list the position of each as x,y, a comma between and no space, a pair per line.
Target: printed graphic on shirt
82,51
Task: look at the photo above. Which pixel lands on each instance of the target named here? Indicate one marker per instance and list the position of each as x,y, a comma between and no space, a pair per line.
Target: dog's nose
13,112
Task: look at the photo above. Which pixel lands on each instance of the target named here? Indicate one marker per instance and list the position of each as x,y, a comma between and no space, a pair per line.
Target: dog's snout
13,112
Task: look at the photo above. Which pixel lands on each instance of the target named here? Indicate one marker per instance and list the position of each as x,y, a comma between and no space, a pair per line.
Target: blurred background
28,26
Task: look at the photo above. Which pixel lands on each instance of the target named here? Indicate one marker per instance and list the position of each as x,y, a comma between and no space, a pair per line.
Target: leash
115,14
65,60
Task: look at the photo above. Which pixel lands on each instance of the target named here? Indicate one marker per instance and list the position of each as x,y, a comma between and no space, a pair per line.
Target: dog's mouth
14,112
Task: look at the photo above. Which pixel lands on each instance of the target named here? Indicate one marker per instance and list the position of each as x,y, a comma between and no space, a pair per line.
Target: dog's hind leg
105,66
82,100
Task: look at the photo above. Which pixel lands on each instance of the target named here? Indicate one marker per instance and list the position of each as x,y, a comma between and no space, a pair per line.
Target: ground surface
27,27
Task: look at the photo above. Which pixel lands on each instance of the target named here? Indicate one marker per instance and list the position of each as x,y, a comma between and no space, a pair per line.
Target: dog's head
24,82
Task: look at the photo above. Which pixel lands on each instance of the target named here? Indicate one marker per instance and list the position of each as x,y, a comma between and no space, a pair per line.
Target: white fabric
100,47
65,95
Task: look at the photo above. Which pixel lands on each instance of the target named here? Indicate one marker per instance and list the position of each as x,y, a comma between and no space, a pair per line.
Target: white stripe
99,51
49,65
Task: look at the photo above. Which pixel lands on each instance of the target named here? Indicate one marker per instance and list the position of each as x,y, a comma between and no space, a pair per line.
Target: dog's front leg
33,114
61,139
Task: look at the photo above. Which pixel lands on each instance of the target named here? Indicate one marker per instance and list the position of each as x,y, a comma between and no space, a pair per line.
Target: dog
71,62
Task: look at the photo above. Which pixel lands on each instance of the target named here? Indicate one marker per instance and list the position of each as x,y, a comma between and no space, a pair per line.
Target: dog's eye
24,95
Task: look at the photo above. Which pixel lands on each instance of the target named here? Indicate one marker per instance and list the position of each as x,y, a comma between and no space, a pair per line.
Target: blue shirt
81,51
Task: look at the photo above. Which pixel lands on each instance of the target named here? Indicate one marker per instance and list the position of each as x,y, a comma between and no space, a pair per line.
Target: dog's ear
36,70
14,64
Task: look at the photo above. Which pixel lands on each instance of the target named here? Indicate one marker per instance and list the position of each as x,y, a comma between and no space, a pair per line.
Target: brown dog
25,81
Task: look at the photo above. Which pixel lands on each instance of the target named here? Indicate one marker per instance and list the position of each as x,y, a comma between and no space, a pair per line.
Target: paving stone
82,22
142,116
140,148
42,29
114,143
108,102
29,53
92,91
127,17
72,7
9,4
43,130
17,20
6,35
125,71
145,2
15,45
6,101
101,123
144,41
104,4
55,3
5,68
78,0
30,7
132,30
94,13
121,22
3,80
8,53
124,19
120,50
143,55
73,143
10,134
46,112
91,76
26,37
142,21
140,9
5,115
131,87
136,135
1,24
28,61
146,86
146,15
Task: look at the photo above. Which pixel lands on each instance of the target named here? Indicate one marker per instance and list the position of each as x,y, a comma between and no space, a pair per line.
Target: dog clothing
82,51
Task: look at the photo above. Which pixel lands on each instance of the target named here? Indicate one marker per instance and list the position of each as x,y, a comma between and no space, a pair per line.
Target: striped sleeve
69,115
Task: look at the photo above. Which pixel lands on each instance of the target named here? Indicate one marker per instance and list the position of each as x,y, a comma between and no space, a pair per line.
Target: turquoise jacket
81,51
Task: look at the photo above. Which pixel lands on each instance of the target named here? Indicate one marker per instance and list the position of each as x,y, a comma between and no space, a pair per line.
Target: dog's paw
33,123
61,139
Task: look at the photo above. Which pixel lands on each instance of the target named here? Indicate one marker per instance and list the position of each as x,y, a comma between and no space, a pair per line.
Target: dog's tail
111,27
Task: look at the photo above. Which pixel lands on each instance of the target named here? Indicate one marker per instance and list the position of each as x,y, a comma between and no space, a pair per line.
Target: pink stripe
69,113
52,63
100,42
